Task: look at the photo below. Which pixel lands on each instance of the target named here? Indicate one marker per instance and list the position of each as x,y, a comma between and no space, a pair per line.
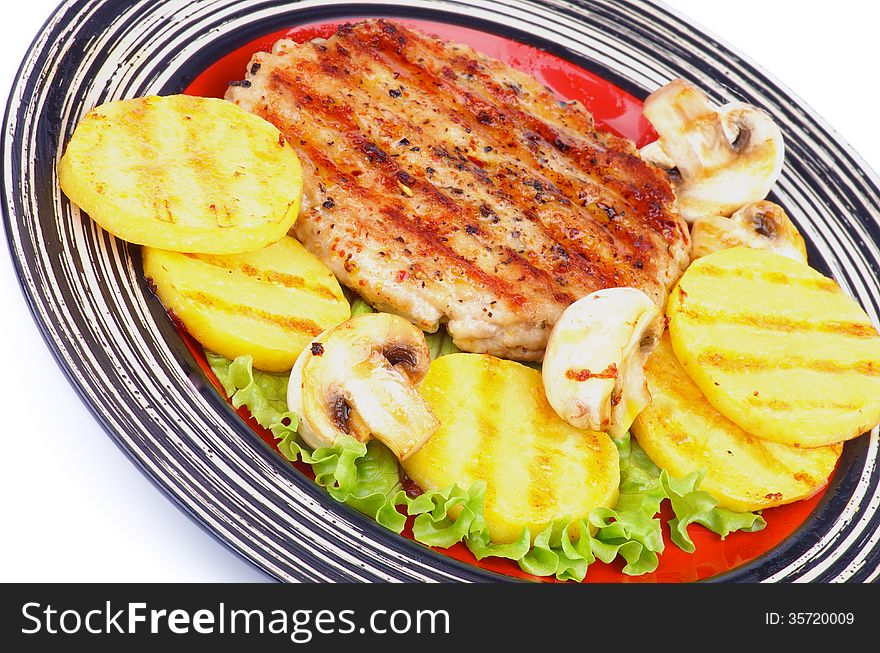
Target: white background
75,509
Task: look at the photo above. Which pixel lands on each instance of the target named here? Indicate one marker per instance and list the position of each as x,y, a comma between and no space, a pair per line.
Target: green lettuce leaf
632,529
364,476
440,343
564,549
542,559
264,394
576,551
360,307
482,546
367,478
444,517
692,505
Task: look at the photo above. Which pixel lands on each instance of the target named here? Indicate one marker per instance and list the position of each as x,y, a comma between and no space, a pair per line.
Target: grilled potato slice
270,303
497,426
682,433
183,173
776,347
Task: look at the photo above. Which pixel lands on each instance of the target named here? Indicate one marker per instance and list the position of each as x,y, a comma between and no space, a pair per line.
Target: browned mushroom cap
360,379
759,225
725,157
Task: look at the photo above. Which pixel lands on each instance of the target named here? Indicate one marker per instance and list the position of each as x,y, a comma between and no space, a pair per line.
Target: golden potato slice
682,433
270,303
497,426
776,347
183,173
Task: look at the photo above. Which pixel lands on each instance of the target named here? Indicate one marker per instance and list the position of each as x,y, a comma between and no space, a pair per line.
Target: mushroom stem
593,370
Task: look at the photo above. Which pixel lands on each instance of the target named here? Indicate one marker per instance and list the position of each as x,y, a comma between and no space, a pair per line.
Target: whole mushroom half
726,157
759,225
360,379
594,366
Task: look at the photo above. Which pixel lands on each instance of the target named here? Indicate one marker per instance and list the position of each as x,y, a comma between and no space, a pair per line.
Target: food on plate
360,379
759,225
777,347
366,476
269,303
496,426
725,157
682,433
593,370
183,173
460,197
447,187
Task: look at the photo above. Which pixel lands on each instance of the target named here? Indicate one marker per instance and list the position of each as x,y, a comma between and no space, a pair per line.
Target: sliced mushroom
654,153
360,378
593,370
726,157
759,225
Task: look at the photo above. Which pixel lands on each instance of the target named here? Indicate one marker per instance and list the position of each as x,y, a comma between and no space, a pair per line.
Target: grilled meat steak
445,186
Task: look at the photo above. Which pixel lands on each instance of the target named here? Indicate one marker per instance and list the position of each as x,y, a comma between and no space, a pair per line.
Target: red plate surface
619,112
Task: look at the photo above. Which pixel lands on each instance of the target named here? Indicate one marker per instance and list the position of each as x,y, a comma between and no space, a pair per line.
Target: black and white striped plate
87,292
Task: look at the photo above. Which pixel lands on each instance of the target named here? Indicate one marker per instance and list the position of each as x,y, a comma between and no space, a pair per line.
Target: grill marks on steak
445,186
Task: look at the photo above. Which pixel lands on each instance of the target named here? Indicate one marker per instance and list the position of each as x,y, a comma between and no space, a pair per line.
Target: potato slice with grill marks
777,347
682,433
183,173
497,426
270,303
